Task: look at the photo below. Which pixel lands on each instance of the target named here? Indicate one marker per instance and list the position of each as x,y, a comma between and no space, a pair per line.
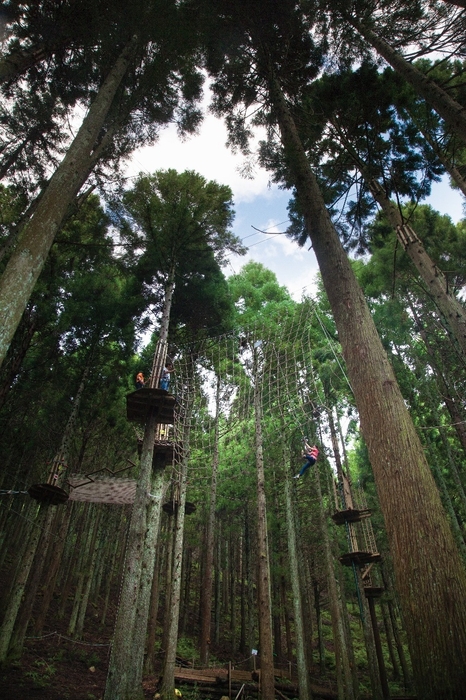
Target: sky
257,203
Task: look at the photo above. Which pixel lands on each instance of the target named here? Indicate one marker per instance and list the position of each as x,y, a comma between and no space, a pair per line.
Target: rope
69,639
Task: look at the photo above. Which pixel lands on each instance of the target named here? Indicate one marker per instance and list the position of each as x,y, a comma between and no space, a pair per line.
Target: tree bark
123,655
304,684
148,573
167,688
431,580
206,589
346,688
124,680
436,285
263,583
14,602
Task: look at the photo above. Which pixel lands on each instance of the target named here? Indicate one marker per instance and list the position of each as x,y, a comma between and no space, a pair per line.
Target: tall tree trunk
218,582
451,111
22,622
95,551
206,588
14,602
431,580
434,280
377,675
123,656
149,663
232,580
301,657
263,583
149,571
168,676
26,263
439,371
61,529
345,688
451,169
387,623
124,679
396,633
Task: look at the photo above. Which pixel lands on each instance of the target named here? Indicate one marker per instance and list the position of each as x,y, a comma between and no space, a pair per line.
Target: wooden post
229,679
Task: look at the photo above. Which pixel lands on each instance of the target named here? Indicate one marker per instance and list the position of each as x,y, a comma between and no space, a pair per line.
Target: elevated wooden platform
351,515
160,447
373,591
360,558
141,401
171,507
48,493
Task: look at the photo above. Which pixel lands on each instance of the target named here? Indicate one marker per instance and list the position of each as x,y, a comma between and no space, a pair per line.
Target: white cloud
205,153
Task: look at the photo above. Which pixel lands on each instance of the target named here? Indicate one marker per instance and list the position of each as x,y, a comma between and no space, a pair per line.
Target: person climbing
165,376
139,380
310,454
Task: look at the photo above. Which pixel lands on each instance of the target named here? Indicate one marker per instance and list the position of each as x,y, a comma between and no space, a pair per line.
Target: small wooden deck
141,401
351,515
360,558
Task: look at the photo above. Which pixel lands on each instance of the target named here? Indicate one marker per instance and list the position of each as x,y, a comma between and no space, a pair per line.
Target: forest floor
54,668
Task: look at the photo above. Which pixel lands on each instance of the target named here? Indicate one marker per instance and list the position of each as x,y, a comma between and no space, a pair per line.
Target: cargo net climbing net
284,372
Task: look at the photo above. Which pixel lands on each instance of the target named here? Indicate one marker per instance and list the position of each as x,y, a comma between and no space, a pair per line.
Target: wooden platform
360,558
166,447
141,401
171,507
47,493
373,591
352,515
163,453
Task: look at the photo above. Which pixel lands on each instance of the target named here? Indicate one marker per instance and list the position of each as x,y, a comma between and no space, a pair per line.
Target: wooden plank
191,676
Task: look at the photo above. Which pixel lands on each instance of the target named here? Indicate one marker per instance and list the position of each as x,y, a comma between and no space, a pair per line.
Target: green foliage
41,674
187,648
181,223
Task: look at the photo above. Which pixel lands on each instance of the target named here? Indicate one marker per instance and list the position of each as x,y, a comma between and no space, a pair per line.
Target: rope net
216,377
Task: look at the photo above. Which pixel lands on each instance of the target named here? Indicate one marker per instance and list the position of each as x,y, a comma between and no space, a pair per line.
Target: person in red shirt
310,454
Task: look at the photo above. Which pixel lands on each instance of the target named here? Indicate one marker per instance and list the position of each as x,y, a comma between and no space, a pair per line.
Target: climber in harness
310,453
139,380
